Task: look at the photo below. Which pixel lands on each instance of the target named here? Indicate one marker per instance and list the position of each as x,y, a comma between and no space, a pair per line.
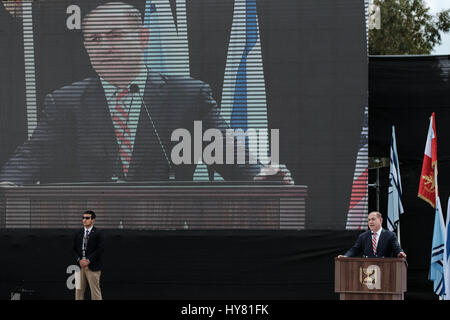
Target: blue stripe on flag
395,207
436,269
239,113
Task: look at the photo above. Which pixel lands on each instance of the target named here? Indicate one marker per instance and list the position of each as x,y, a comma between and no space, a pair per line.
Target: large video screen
176,114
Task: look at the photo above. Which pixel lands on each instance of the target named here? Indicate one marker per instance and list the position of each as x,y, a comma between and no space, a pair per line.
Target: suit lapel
145,135
100,125
380,243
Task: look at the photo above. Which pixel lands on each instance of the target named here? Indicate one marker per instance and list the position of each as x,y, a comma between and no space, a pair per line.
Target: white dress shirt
131,103
85,229
378,234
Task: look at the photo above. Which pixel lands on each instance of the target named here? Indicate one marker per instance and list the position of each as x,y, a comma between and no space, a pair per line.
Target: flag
167,51
429,191
395,207
437,252
447,256
357,212
429,166
244,103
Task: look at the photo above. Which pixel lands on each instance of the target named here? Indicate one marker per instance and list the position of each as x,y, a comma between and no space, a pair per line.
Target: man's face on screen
115,42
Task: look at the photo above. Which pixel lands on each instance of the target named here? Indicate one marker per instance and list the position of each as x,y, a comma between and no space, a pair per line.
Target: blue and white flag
359,198
437,252
168,49
446,265
244,104
395,207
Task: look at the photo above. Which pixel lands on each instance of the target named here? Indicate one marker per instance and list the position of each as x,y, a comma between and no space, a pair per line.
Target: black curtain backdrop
404,91
188,264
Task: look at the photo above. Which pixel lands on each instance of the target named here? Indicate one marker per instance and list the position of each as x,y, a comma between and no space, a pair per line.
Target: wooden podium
162,206
370,278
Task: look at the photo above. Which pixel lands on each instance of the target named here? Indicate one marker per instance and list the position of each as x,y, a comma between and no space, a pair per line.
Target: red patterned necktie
374,243
120,119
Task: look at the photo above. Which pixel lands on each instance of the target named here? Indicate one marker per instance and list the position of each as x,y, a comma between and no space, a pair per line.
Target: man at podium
376,242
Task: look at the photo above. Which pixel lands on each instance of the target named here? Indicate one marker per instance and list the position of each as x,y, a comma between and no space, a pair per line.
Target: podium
370,278
158,206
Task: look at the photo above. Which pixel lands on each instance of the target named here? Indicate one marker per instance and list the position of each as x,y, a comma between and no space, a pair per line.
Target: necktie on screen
123,133
374,243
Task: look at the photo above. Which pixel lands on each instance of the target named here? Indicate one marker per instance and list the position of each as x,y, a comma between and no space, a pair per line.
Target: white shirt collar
140,81
378,233
85,229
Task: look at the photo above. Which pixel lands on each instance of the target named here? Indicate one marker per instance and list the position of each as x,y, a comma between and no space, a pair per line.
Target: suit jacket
387,246
75,139
94,249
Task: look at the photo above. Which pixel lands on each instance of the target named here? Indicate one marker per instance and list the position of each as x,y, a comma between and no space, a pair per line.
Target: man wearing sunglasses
88,246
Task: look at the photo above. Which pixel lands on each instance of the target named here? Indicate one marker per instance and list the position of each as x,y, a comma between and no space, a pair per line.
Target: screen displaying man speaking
152,91
121,124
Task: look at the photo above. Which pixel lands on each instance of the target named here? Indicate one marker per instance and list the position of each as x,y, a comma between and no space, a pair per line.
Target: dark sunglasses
87,218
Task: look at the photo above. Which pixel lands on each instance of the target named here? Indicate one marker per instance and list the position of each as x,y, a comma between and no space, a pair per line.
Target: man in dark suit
118,126
376,242
88,247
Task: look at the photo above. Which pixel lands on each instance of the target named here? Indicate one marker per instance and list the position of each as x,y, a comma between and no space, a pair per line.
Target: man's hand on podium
341,256
275,173
7,184
402,255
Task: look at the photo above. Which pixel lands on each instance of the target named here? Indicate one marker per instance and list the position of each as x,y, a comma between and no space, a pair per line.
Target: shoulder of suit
75,89
96,230
367,232
182,82
388,232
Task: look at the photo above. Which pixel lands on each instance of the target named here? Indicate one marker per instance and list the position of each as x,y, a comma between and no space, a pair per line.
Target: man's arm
211,118
25,166
396,249
75,248
356,250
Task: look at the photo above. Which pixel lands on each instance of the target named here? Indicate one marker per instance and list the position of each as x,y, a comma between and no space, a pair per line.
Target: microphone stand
134,88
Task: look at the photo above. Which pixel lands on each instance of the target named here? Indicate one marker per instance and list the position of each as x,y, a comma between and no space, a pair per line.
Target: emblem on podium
370,277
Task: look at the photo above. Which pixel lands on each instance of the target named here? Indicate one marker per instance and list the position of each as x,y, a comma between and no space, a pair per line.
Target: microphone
134,88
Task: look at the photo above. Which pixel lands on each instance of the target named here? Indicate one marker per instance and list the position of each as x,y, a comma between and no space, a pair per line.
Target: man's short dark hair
92,213
111,9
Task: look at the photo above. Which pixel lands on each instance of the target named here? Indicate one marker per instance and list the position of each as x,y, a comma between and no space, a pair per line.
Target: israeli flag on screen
244,103
168,49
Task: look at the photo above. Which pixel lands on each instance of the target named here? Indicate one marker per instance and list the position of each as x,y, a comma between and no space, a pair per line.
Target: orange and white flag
428,189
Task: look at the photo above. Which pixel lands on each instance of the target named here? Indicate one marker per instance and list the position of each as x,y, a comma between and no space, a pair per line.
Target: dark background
189,264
